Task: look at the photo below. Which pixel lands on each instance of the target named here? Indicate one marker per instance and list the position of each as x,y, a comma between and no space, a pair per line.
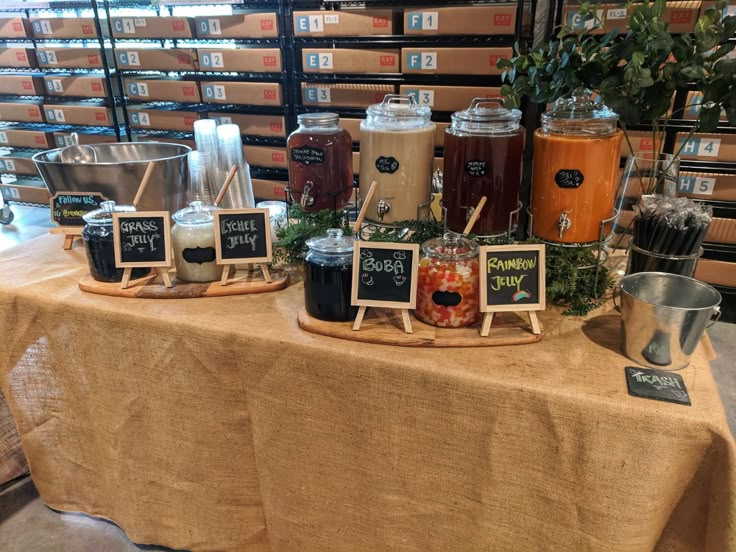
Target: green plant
637,74
572,279
292,238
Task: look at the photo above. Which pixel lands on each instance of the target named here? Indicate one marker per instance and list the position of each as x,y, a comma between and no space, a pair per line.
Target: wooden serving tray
387,329
151,288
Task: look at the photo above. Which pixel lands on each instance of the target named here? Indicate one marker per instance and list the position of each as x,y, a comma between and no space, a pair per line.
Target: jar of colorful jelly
448,282
98,243
328,277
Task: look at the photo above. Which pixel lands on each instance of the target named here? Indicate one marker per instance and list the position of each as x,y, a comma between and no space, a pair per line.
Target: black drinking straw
668,226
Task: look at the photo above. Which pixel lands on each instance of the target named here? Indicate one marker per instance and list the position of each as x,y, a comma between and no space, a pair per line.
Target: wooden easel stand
488,319
404,317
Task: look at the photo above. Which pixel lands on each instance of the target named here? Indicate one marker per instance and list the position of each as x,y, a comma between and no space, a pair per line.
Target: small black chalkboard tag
569,178
659,385
512,278
142,239
242,236
385,275
388,165
68,208
308,155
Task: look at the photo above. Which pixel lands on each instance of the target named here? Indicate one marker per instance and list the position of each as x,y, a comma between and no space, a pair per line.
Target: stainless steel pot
116,171
663,317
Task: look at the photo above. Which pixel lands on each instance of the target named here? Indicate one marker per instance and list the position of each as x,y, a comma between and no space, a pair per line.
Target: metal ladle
77,153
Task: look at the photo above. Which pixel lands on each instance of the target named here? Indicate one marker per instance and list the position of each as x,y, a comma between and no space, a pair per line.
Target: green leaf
709,117
504,63
731,114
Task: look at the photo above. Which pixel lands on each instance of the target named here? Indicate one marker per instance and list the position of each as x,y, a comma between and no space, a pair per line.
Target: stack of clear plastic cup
205,140
240,193
202,184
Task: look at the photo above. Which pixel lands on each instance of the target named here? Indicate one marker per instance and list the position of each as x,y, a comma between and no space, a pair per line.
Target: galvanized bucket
116,171
663,317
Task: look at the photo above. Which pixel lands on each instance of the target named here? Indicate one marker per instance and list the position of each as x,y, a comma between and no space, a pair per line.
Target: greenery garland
571,274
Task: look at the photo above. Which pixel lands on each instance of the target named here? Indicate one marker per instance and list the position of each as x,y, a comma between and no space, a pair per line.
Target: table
217,424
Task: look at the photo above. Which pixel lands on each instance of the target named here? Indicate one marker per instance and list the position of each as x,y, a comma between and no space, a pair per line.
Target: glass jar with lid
328,277
98,243
320,162
397,151
448,292
577,153
484,150
193,239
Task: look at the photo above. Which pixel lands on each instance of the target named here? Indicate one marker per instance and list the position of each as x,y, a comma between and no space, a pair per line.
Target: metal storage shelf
721,167
204,106
43,40
306,4
61,99
241,4
197,76
397,41
12,5
204,42
248,139
57,127
399,78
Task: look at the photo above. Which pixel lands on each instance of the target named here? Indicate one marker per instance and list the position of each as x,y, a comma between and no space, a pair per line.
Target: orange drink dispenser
575,170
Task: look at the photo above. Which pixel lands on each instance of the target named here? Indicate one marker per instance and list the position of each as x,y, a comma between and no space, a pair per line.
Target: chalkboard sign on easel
142,239
242,236
385,275
512,279
67,210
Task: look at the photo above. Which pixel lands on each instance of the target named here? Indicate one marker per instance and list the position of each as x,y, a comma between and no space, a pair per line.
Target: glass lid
103,215
196,213
398,111
579,114
486,116
450,247
333,243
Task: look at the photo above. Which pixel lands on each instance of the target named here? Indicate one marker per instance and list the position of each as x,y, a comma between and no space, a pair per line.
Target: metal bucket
116,171
663,317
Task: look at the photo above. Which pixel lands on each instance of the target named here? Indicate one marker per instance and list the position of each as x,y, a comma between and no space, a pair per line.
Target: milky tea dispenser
397,151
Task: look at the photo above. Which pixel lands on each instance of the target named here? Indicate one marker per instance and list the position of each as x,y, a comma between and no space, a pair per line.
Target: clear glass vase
644,173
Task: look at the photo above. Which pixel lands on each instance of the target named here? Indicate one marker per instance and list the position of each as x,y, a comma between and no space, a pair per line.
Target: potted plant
637,75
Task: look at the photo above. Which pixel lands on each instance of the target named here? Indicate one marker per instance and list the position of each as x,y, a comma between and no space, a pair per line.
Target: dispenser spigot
307,199
382,209
564,223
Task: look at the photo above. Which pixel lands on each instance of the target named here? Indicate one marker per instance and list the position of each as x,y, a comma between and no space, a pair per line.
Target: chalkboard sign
658,385
476,168
142,239
387,165
569,178
242,236
385,275
68,208
308,155
512,278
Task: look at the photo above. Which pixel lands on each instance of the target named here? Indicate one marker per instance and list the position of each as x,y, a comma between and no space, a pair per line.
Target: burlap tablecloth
217,424
12,462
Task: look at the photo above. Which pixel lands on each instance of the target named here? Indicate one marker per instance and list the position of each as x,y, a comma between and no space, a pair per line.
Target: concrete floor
26,525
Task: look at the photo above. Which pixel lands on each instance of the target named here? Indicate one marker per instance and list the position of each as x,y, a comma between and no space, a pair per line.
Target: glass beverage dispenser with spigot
577,153
397,151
